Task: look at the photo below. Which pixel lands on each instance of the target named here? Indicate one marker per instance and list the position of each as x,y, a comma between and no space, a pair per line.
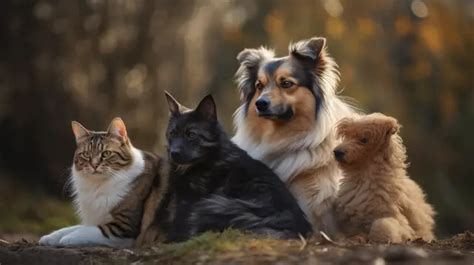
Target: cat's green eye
106,154
86,155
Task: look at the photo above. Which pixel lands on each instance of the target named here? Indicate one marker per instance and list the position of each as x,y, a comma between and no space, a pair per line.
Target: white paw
70,241
50,240
84,236
53,238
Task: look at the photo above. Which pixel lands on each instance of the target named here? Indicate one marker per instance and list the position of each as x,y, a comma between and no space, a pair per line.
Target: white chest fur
96,196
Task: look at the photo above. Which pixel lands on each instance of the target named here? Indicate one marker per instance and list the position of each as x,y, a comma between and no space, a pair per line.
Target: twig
326,239
303,242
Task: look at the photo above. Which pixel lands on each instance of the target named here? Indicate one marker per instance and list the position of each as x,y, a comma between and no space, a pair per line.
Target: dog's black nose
176,155
339,154
262,104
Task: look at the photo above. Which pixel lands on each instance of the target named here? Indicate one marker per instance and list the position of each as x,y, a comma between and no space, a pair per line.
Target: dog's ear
207,108
79,131
393,126
388,125
342,127
246,75
309,50
174,106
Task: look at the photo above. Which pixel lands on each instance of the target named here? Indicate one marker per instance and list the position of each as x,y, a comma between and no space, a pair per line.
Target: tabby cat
111,180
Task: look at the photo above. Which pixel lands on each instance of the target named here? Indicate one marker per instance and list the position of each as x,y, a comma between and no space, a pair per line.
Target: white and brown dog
287,120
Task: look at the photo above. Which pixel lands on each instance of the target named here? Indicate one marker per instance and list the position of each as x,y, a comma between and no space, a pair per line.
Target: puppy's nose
339,154
262,104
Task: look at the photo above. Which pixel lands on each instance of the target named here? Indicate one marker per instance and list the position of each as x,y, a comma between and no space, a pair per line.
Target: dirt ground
234,248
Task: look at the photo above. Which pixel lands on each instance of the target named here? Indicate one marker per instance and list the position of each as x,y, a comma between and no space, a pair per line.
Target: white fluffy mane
291,156
96,196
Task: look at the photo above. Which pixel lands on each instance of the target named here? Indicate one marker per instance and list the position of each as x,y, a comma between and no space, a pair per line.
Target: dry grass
233,247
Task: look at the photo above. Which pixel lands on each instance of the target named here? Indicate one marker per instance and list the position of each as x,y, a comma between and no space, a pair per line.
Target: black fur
218,185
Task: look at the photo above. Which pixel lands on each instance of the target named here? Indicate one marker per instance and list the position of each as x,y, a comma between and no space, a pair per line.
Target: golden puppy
377,199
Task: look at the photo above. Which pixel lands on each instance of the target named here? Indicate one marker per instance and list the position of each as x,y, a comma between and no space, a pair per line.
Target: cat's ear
117,128
174,106
207,108
79,131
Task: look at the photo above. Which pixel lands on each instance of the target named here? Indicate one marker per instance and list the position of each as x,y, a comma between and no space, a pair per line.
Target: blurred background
93,60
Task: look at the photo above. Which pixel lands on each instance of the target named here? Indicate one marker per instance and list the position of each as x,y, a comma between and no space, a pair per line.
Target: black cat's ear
174,106
207,108
80,132
308,49
117,128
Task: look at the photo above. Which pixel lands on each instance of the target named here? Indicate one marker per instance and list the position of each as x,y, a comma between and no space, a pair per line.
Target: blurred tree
96,59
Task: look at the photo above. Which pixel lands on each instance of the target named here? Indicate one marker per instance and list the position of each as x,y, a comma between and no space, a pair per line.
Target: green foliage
32,212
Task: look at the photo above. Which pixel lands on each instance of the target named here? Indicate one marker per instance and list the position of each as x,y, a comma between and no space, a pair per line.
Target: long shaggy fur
377,199
302,160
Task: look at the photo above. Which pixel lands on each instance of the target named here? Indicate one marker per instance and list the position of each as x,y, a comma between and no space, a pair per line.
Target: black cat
217,185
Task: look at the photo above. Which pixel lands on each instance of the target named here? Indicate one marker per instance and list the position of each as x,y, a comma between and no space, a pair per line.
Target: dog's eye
364,140
191,135
258,85
286,84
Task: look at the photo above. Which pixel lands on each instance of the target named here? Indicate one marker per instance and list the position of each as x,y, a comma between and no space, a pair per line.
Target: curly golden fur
377,199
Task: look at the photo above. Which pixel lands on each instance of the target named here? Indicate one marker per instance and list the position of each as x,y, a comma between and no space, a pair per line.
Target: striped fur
111,181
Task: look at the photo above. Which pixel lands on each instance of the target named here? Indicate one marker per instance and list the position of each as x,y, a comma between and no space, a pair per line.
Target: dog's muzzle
339,154
266,110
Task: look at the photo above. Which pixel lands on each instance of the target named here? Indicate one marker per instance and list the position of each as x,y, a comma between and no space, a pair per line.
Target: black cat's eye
106,154
173,133
364,140
191,135
259,85
287,84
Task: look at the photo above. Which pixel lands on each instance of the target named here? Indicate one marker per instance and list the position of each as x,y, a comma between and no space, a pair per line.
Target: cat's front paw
70,241
54,238
49,240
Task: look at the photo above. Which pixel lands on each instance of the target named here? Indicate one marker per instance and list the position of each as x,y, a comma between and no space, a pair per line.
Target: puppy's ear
308,50
174,106
207,108
388,125
80,132
342,127
246,75
393,126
